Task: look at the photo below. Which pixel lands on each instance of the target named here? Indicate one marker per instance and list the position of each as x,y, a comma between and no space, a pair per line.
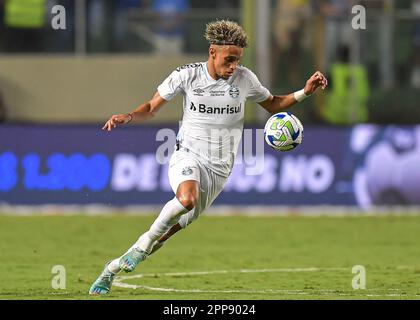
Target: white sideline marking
118,283
217,210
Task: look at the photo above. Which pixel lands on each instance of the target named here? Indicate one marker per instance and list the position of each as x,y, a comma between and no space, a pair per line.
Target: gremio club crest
234,92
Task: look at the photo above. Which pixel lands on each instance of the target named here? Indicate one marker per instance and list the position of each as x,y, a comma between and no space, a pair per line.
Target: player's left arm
276,104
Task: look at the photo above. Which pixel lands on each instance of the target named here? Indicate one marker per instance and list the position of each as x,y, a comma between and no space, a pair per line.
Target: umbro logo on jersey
202,108
198,92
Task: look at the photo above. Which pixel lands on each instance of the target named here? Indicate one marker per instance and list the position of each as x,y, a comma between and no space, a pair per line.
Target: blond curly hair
226,32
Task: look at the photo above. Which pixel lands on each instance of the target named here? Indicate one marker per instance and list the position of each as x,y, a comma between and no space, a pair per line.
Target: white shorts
185,166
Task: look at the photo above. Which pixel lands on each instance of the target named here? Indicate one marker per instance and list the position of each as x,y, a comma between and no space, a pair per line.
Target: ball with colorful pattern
283,131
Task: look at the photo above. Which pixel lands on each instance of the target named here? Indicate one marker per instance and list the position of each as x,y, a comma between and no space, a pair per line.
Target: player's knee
188,200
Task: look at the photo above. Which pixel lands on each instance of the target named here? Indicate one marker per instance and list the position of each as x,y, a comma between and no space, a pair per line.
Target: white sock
114,266
168,217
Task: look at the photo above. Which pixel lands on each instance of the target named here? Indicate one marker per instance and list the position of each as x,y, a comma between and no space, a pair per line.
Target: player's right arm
144,111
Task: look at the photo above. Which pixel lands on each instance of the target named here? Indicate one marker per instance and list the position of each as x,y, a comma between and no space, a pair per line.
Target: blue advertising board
364,165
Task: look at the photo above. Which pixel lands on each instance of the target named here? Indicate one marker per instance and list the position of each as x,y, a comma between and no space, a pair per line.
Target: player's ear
212,52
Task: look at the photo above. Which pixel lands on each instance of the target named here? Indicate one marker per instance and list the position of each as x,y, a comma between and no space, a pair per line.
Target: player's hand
314,82
117,119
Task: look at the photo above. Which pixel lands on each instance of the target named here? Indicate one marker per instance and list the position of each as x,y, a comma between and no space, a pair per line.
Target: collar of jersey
209,77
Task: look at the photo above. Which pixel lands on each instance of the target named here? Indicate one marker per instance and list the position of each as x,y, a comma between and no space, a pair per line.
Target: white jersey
213,117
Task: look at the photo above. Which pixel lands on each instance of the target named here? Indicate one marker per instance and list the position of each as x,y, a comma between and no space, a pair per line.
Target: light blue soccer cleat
103,284
131,259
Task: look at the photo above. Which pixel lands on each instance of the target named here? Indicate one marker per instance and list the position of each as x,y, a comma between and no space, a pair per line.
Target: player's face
226,60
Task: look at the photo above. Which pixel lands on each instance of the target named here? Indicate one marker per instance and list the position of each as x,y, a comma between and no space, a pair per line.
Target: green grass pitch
221,258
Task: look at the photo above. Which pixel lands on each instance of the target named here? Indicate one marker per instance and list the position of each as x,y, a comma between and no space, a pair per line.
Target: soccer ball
283,131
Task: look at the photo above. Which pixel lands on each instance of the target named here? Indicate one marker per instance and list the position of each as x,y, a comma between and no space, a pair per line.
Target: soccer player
214,99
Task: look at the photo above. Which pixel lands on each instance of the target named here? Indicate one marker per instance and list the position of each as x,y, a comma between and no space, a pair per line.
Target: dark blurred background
113,54
57,88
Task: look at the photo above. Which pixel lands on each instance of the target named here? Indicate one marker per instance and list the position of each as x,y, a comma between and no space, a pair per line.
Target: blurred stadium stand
110,58
305,35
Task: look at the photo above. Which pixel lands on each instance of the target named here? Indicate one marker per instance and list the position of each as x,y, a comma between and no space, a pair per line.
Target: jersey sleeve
171,86
256,91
